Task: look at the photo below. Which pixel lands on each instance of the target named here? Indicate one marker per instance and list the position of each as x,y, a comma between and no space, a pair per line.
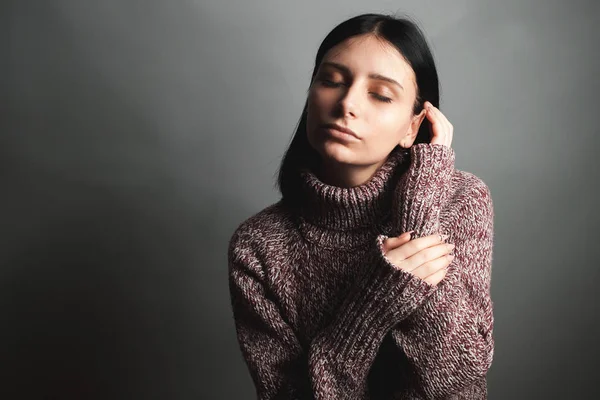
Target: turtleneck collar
339,217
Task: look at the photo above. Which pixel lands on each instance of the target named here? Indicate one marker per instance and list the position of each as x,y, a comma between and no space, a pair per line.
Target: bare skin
426,257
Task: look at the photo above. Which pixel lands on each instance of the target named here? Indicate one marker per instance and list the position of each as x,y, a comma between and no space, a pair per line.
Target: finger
444,122
437,126
437,276
406,234
440,115
396,241
429,254
418,251
447,127
433,266
421,243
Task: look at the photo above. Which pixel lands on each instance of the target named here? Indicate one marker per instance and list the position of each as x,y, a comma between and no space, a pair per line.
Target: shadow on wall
75,326
103,290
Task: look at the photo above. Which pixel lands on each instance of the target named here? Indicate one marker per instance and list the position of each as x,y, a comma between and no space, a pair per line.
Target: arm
341,355
337,362
449,339
424,189
346,349
274,356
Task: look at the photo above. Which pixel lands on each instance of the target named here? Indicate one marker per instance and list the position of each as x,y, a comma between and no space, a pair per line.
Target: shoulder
468,186
274,220
471,199
262,233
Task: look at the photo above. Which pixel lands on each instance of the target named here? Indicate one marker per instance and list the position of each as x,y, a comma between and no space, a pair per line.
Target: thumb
396,241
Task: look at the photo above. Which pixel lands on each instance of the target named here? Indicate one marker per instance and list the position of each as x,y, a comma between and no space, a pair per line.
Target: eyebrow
371,75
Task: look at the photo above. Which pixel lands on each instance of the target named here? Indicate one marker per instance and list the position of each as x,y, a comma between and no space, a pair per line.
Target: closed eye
328,83
382,98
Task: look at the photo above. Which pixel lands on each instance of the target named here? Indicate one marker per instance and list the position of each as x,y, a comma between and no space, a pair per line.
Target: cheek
315,110
313,103
320,99
393,120
313,97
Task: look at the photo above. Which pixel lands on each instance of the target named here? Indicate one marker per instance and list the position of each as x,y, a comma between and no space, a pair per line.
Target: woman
370,278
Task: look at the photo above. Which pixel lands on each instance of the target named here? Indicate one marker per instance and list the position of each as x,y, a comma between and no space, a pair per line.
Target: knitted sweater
320,311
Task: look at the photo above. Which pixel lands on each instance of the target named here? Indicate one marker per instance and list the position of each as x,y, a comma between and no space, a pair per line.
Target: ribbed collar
338,217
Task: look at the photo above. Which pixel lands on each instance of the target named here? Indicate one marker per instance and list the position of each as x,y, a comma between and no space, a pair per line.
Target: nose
348,103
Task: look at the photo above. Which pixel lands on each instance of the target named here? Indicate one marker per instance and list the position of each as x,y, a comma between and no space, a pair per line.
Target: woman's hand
442,129
426,257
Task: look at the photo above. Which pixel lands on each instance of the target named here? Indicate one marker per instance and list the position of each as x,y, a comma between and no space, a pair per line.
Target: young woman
370,278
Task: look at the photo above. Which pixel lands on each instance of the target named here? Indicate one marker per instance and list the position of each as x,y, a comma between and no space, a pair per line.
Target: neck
345,175
345,217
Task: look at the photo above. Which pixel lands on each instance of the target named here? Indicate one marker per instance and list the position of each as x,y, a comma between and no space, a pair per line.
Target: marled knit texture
321,313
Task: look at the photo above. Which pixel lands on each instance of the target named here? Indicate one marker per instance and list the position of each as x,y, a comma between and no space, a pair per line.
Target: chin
339,153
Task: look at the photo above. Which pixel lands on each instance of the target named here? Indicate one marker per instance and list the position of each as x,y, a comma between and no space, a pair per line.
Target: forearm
449,339
449,343
338,360
341,356
424,190
276,360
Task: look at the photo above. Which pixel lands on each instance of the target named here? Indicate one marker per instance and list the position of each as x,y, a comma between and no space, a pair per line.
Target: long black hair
410,41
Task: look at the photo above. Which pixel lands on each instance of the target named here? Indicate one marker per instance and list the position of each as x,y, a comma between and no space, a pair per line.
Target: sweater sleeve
336,363
342,354
444,330
424,190
273,354
449,339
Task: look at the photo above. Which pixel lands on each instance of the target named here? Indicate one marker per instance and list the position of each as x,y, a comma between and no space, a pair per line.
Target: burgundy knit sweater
321,313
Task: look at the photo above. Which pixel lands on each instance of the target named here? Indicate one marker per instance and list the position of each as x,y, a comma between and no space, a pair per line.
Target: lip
340,128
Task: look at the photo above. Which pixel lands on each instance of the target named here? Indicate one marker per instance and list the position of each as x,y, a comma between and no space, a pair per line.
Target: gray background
137,135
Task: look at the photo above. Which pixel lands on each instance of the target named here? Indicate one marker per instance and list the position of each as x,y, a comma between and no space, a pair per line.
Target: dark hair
402,33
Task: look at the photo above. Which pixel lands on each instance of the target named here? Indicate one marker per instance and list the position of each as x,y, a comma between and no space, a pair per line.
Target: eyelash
332,84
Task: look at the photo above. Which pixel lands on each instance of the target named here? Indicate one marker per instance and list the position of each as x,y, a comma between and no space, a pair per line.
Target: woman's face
351,89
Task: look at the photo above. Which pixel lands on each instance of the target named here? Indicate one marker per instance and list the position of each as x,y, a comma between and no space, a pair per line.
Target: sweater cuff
436,158
384,296
424,189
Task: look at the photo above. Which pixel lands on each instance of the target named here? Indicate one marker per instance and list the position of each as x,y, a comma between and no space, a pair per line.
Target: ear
413,128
